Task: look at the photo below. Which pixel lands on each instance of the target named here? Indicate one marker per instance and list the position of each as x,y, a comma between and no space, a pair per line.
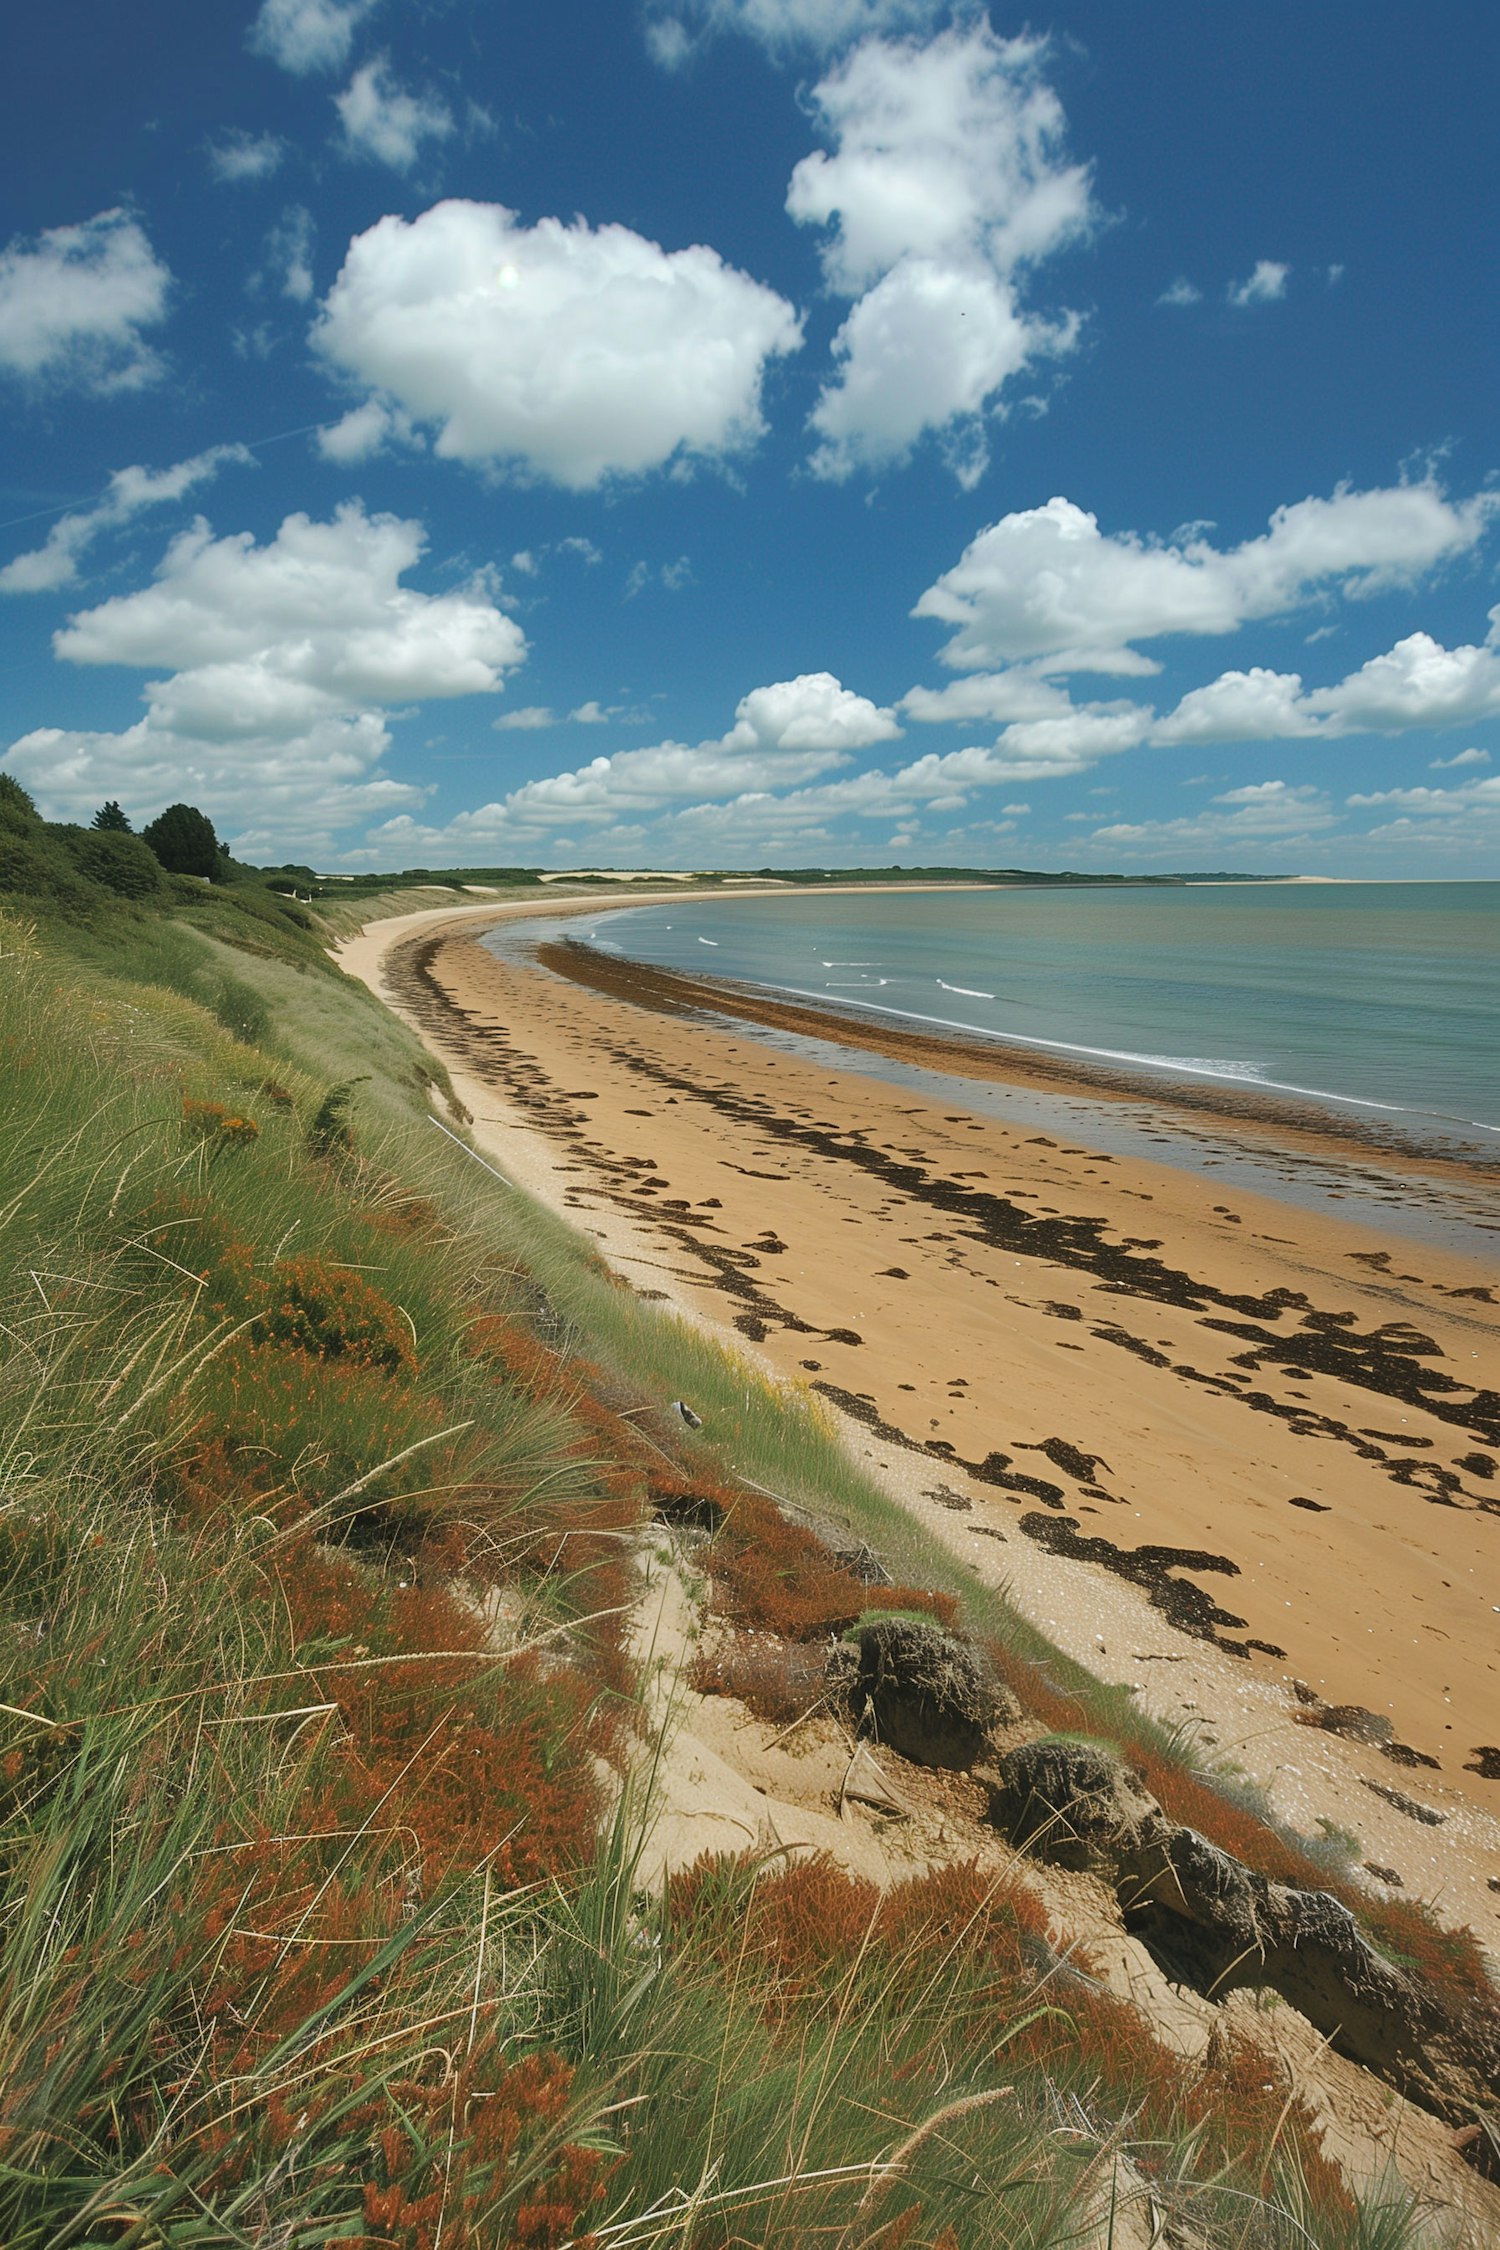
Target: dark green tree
112,820
183,840
17,812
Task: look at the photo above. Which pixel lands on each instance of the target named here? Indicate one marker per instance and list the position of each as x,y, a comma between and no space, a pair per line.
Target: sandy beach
1240,1454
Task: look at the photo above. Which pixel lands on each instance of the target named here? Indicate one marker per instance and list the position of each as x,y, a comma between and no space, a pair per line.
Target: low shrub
325,1310
211,1121
773,1575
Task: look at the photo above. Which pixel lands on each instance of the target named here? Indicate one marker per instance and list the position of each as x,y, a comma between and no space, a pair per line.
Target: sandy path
1210,1448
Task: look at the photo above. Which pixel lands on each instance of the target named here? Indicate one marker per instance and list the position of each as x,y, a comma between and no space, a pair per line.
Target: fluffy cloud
1441,824
1264,812
1418,683
237,156
1263,287
1253,706
924,349
565,352
74,302
1437,823
128,493
320,608
782,735
383,122
1018,694
308,35
940,149
275,798
1464,758
1037,749
1050,748
1047,585
946,783
528,718
760,788
947,181
1470,796
1181,292
675,29
366,430
289,252
277,661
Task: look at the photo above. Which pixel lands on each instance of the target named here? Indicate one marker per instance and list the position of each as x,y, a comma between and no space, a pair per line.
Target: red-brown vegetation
975,1953
772,1574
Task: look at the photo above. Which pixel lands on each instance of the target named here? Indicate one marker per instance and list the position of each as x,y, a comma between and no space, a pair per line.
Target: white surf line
1220,1073
1231,1076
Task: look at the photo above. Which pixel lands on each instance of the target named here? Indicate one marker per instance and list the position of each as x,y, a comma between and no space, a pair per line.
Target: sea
1377,1002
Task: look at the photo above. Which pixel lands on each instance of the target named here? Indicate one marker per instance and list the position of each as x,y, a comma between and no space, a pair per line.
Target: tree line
182,838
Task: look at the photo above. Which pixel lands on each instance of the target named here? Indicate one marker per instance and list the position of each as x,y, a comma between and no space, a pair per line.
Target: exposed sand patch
847,1224
723,1780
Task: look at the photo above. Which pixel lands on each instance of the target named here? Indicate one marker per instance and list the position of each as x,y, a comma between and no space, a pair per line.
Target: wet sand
1110,1384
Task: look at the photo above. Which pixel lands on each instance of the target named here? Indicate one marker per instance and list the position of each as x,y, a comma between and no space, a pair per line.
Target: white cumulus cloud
946,185
562,351
73,304
1047,585
1017,694
1470,797
128,493
675,29
1418,683
308,35
1440,824
1253,706
761,788
1464,758
782,735
1263,286
527,719
1263,813
289,254
276,663
385,123
237,156
366,430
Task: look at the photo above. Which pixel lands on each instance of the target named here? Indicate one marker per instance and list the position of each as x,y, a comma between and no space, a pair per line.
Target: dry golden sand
973,1296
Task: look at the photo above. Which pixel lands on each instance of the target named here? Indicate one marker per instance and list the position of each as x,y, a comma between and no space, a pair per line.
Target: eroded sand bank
1213,1446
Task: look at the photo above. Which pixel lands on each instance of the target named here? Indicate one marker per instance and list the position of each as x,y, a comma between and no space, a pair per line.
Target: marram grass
315,1924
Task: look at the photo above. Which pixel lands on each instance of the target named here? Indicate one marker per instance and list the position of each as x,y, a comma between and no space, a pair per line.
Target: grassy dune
322,1458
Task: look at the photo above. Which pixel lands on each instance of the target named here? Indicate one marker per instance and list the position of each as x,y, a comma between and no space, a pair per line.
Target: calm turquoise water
1383,997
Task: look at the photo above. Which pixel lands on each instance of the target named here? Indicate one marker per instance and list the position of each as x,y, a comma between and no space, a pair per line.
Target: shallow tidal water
1373,998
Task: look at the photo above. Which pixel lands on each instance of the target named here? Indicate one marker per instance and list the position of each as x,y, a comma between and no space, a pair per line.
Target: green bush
33,866
122,863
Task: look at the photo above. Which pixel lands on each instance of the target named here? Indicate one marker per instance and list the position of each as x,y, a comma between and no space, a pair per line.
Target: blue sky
741,432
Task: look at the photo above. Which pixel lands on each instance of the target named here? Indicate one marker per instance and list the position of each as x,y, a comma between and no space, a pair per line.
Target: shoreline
1062,1401
1302,1122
